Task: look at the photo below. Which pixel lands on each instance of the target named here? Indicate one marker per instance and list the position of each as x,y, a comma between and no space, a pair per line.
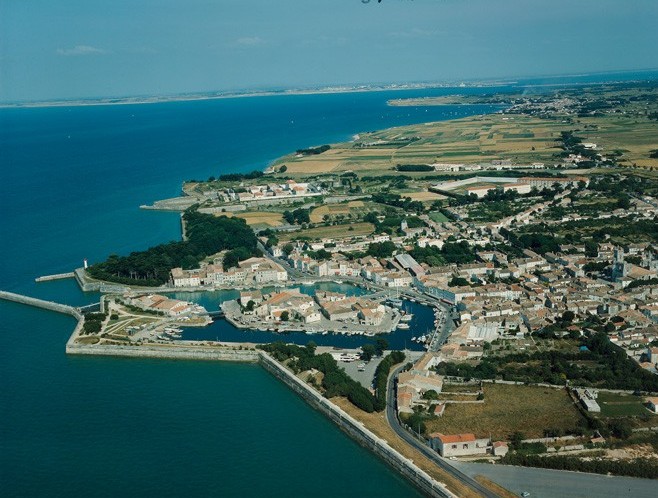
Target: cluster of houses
248,272
415,382
165,305
292,304
254,193
548,287
509,296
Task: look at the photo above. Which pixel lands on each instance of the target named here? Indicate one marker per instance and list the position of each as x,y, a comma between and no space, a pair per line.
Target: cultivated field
521,138
425,196
254,218
469,140
508,409
330,232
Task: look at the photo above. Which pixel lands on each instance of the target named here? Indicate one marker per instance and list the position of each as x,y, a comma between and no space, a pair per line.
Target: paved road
391,415
545,483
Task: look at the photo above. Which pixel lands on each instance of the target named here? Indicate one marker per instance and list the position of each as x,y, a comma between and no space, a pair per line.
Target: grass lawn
507,409
621,405
331,232
438,217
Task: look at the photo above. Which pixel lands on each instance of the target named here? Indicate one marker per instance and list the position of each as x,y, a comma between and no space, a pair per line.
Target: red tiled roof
454,438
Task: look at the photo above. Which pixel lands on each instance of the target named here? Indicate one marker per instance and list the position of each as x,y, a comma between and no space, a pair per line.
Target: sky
87,48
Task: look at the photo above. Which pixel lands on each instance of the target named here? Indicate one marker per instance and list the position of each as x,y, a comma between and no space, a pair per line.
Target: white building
458,444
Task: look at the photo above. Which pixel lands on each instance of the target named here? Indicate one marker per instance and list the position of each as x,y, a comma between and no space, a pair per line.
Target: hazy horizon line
327,87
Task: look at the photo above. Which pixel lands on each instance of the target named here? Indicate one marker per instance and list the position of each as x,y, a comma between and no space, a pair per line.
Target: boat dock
59,276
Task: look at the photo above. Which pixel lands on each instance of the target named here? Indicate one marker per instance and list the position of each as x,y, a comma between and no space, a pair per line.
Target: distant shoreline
540,81
264,93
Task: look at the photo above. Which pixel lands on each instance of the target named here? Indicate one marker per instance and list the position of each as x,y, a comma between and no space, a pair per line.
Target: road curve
391,415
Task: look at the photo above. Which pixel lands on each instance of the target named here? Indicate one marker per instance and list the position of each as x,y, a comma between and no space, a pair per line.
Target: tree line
603,365
206,235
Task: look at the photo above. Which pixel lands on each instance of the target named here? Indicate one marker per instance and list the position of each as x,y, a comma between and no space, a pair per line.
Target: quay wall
357,430
165,352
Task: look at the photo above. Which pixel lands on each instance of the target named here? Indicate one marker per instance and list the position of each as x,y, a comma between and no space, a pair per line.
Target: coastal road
391,416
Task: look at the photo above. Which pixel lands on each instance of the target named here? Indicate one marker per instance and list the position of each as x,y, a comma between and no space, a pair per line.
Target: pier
59,276
40,303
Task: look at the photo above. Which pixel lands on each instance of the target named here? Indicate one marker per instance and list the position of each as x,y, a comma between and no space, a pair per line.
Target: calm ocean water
73,179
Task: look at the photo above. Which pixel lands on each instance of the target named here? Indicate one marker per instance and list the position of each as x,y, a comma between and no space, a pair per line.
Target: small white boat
407,317
403,326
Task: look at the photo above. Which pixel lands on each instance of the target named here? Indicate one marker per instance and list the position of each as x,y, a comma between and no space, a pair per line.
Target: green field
621,405
438,217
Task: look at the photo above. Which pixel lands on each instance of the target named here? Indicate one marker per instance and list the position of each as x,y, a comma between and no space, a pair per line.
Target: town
540,272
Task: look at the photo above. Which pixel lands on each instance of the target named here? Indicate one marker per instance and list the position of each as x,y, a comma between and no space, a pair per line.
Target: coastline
265,93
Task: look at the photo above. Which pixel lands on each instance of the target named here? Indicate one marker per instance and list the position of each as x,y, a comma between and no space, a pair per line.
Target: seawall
357,430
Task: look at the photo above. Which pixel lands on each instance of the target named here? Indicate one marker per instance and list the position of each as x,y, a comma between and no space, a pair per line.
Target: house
458,444
587,398
369,316
255,295
499,448
439,409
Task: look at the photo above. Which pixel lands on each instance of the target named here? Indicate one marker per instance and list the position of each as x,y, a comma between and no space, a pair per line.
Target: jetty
59,276
40,303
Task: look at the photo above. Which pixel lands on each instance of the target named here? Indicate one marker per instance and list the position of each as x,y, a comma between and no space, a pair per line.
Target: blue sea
73,179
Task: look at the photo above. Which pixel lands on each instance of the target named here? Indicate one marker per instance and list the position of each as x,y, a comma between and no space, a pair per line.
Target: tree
283,169
381,345
285,316
458,282
620,428
381,249
311,346
430,394
250,305
516,439
288,248
367,352
623,201
568,316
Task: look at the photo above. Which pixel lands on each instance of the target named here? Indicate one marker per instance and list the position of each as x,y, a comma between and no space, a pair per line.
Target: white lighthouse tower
86,265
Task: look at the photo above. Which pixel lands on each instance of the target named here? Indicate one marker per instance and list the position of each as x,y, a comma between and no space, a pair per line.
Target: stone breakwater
355,429
40,303
166,352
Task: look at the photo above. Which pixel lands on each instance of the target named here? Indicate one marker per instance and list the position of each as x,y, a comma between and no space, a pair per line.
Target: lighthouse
85,263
